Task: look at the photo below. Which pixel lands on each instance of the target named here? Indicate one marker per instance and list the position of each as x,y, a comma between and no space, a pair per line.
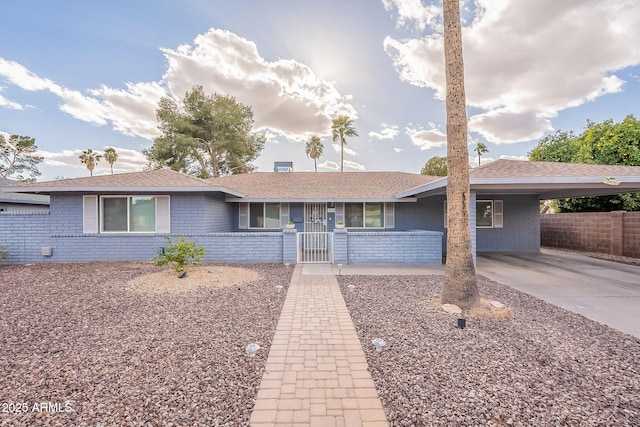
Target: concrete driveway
604,291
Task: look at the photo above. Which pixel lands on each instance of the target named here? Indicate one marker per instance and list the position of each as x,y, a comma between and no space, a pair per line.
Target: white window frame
492,213
128,197
364,215
264,210
497,213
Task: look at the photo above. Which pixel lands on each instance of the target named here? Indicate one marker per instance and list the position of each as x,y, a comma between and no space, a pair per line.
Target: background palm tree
90,159
314,149
460,285
110,155
341,127
480,149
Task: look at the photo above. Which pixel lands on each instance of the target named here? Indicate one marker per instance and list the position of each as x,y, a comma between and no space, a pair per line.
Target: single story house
340,217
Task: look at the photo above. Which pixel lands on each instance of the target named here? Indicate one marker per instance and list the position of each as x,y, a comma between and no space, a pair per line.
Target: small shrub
181,254
4,253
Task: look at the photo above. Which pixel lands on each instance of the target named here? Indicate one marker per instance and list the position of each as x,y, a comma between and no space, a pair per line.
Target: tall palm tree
314,149
90,159
341,127
460,285
110,155
480,149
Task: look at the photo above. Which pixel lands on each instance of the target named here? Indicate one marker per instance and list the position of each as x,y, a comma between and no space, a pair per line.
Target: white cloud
329,165
507,157
347,150
398,150
348,164
7,103
286,96
413,11
387,132
128,160
526,61
426,138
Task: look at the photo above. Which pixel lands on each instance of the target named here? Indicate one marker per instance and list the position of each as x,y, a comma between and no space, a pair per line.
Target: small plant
4,253
181,254
340,222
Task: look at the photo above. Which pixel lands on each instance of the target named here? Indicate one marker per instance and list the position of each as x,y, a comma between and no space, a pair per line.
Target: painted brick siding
218,215
24,235
616,233
521,231
395,248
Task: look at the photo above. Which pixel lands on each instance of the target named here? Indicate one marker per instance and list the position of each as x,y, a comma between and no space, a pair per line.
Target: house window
484,213
364,215
264,215
489,214
128,214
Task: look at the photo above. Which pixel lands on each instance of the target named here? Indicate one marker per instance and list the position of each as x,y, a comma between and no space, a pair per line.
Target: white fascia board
258,200
564,180
436,185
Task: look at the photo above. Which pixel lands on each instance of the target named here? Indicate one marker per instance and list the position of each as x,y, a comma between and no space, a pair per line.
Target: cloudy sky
78,74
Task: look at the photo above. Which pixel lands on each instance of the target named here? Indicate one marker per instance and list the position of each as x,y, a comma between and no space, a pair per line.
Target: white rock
497,304
451,308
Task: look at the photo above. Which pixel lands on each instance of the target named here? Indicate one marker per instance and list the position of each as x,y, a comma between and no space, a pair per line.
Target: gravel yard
543,366
87,345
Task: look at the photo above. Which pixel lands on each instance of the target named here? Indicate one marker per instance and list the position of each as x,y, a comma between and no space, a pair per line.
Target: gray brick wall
395,248
521,232
24,235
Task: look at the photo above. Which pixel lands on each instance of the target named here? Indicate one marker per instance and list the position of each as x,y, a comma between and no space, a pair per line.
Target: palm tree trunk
460,286
315,164
342,154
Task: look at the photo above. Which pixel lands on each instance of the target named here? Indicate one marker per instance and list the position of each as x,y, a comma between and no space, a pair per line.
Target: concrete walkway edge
316,372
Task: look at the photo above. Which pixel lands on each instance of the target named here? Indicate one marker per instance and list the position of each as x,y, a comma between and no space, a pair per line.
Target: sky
76,74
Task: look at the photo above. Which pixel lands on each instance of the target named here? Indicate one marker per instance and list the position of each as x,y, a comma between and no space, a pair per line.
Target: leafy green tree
205,136
341,127
460,284
435,166
606,143
90,159
18,157
480,149
314,149
110,155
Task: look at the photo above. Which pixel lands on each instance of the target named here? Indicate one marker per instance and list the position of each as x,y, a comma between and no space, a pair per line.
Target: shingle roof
322,185
528,169
158,180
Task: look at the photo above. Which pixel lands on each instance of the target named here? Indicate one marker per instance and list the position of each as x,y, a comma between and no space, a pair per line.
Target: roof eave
318,200
122,189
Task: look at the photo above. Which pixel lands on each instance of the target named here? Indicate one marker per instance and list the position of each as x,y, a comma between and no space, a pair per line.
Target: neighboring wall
616,233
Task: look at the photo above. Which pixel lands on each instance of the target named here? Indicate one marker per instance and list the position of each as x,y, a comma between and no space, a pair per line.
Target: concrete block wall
340,246
289,246
395,248
616,233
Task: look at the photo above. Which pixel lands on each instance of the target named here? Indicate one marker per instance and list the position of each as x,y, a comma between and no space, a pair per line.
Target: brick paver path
316,373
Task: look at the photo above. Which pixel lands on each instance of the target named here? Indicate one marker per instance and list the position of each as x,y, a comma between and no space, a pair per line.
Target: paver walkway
316,373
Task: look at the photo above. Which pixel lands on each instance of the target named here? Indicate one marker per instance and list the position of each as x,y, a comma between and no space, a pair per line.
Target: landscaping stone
540,366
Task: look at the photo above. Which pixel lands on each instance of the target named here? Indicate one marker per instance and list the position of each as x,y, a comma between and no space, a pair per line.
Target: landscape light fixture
462,323
252,349
351,288
279,288
339,269
378,343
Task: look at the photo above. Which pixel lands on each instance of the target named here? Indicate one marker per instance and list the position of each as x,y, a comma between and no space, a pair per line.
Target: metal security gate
315,247
315,244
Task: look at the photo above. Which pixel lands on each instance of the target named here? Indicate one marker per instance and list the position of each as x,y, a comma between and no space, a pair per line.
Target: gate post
340,246
289,246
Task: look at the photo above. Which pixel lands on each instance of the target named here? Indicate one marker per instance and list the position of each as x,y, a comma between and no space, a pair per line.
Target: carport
604,291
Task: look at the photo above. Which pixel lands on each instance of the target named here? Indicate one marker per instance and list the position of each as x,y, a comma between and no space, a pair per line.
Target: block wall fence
615,233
